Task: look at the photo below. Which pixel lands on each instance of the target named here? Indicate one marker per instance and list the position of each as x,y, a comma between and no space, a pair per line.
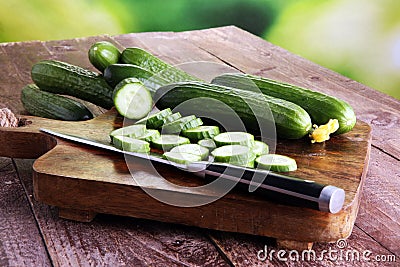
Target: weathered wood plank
20,241
251,54
380,206
118,241
358,250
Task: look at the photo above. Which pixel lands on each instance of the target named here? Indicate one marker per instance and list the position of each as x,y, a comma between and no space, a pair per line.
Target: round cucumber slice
150,135
181,158
171,118
208,143
234,138
167,141
201,132
234,154
131,131
275,162
260,148
132,99
192,149
132,145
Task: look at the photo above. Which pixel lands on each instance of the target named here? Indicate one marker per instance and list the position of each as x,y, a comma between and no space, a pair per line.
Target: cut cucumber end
132,99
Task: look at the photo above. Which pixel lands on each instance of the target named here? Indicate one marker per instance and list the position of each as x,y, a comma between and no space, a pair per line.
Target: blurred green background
357,38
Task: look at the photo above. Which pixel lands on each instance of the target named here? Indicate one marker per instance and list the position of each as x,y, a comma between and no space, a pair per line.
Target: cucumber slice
260,148
234,154
275,162
171,118
155,120
167,141
192,149
208,143
234,138
201,132
182,124
181,158
131,131
149,135
132,99
130,144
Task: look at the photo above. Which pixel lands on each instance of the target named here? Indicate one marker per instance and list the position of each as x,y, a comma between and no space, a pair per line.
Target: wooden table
31,234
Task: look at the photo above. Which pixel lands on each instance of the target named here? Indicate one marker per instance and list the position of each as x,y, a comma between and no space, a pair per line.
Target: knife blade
282,188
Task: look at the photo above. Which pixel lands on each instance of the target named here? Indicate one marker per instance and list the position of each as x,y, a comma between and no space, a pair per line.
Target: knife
282,188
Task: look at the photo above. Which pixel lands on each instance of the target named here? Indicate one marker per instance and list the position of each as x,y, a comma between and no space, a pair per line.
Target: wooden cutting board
82,181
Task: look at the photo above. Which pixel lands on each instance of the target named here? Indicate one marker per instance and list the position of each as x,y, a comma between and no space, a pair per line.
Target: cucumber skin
115,73
321,107
102,54
148,61
48,105
67,79
291,120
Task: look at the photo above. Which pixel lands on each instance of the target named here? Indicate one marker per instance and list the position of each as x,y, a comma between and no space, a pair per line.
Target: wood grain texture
118,241
20,241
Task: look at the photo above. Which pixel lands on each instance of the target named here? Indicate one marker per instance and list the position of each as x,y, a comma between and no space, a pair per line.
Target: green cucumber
66,79
260,148
148,61
321,107
234,138
181,158
208,143
156,120
291,120
130,144
133,131
150,135
181,124
275,162
168,141
233,154
48,105
201,132
132,99
115,73
194,149
102,54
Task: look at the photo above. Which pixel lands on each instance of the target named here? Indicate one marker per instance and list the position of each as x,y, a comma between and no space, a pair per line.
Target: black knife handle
290,190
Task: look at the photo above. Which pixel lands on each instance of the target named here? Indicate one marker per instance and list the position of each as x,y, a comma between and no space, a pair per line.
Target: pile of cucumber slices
184,139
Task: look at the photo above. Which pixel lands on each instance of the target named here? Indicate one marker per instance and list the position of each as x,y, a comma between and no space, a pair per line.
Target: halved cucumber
132,99
167,141
234,154
234,138
181,158
155,120
275,162
192,149
130,144
132,131
260,148
182,124
150,135
201,132
208,143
